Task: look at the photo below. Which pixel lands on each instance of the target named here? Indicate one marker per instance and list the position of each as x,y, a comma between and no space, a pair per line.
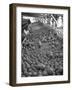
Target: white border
20,79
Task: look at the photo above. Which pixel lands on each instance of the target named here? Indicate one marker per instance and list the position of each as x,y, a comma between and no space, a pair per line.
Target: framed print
39,44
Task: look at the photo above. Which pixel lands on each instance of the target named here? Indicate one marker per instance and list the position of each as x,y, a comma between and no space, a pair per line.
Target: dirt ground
42,51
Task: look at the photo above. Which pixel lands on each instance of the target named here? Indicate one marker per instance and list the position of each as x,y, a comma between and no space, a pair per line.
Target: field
41,51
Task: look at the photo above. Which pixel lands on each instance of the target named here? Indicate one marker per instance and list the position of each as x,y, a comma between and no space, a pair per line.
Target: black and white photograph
41,44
